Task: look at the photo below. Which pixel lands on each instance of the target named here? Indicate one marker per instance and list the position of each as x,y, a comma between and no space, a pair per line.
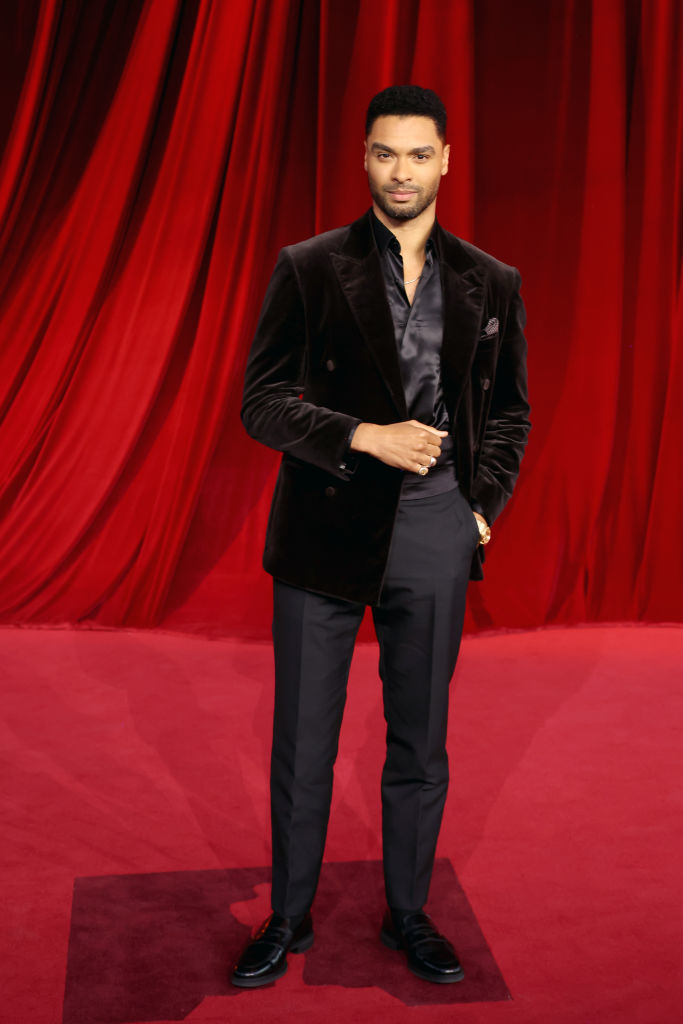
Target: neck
412,234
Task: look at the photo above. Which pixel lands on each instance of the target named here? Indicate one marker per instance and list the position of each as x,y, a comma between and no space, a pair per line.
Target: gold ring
423,471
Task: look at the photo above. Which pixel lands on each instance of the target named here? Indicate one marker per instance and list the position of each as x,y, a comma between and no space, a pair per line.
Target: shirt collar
385,238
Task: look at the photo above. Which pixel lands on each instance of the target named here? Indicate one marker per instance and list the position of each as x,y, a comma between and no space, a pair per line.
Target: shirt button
485,383
331,365
330,491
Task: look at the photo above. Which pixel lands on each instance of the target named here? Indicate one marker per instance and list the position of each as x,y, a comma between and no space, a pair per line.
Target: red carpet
135,820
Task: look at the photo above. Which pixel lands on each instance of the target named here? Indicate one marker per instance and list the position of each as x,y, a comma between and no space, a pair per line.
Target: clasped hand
409,445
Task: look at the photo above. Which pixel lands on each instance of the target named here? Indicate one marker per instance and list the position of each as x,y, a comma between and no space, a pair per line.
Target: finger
428,444
427,451
432,430
431,439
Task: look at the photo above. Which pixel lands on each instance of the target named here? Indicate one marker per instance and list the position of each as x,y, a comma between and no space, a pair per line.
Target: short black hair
407,101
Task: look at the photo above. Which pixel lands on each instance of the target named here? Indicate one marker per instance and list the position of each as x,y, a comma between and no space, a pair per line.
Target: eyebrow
388,149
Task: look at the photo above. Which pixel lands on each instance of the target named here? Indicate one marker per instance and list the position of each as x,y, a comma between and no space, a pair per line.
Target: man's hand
409,445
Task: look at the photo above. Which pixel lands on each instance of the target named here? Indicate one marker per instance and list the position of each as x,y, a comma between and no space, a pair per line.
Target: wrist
362,438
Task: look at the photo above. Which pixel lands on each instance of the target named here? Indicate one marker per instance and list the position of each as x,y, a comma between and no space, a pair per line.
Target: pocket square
492,326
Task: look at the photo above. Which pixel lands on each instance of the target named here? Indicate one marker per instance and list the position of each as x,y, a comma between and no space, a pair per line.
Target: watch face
484,533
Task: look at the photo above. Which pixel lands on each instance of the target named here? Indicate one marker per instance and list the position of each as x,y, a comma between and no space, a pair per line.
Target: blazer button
485,383
330,491
331,365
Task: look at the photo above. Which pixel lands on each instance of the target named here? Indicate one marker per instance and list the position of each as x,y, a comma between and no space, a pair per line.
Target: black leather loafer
430,955
265,957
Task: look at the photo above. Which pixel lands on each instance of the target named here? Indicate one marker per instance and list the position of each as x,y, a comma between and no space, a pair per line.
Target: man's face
405,160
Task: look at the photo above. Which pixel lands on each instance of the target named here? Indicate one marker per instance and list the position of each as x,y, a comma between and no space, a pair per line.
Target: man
389,366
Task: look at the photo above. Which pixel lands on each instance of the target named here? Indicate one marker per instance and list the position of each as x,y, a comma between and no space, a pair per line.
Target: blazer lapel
359,272
464,295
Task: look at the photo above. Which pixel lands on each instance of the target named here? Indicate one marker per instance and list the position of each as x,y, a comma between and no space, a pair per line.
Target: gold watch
484,529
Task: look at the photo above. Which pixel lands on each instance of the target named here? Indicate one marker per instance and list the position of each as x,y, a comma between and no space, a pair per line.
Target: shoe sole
301,946
304,943
389,940
440,979
258,982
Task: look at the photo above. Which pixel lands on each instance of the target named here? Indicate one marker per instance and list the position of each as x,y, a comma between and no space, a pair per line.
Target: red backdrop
156,154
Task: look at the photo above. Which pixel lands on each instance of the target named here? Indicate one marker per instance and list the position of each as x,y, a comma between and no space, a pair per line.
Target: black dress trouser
418,623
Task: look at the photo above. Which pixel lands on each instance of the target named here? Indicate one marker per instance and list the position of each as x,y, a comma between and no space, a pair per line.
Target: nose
401,170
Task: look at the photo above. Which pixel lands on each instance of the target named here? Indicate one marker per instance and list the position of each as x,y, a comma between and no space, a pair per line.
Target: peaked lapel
464,295
359,272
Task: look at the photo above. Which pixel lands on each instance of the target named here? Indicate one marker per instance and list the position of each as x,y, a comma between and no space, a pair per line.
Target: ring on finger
432,461
422,471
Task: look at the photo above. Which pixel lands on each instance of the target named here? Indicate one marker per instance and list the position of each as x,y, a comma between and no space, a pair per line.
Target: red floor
135,822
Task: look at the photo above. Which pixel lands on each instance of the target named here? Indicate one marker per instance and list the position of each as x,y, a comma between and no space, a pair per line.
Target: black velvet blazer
324,358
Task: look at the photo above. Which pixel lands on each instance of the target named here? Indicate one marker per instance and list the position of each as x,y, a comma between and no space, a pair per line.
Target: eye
381,156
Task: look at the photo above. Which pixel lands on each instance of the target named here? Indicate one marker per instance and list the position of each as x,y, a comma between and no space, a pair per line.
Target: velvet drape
155,156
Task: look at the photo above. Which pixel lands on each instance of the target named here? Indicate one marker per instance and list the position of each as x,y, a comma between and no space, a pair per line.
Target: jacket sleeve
273,409
508,425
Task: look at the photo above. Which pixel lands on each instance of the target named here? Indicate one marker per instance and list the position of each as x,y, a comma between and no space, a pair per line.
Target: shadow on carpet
151,947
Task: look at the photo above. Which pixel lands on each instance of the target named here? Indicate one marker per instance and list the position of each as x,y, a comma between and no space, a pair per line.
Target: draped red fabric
156,155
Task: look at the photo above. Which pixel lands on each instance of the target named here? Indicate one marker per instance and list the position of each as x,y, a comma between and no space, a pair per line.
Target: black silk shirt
418,330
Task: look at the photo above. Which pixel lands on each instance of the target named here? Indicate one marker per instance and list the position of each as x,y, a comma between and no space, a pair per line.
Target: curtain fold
156,157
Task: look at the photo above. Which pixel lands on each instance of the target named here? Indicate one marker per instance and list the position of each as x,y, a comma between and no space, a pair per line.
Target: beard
424,197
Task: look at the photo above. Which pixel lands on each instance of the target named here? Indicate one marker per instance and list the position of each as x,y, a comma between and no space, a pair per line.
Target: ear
444,159
365,155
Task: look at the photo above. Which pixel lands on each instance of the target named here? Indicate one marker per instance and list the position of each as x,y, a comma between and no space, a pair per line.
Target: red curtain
155,156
